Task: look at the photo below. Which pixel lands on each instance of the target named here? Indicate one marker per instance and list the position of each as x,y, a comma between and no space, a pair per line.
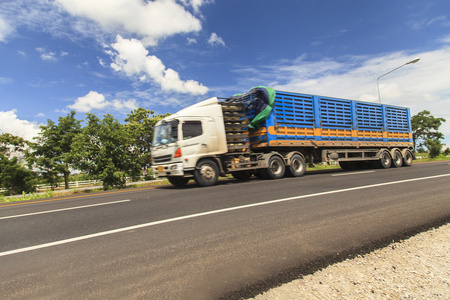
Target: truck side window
191,129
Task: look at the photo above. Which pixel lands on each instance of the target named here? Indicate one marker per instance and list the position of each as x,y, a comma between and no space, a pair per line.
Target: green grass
422,157
322,167
51,194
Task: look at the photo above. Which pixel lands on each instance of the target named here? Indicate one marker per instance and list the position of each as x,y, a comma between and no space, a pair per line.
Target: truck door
193,140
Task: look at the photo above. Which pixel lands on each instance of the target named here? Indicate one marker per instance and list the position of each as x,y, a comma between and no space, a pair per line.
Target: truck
272,134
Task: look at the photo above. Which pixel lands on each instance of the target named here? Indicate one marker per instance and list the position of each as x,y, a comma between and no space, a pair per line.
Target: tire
276,168
178,181
206,173
297,166
407,158
385,160
397,159
242,175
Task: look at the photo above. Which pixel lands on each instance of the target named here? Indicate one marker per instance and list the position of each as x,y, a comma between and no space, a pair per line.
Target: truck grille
161,159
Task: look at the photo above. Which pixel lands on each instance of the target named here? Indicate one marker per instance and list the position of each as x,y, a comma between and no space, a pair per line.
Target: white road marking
353,173
62,209
207,213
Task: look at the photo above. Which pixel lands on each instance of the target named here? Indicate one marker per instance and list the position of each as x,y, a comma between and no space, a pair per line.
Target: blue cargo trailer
318,121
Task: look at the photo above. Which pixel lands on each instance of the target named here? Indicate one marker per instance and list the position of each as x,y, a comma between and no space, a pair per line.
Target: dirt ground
416,268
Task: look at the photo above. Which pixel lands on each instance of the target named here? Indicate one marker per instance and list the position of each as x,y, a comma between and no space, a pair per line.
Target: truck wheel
408,158
296,167
178,181
276,168
242,175
206,173
385,160
397,159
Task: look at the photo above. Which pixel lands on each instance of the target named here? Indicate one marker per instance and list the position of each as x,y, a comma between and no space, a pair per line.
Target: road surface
229,240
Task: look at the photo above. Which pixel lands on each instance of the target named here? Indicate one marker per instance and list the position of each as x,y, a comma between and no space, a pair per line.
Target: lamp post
378,86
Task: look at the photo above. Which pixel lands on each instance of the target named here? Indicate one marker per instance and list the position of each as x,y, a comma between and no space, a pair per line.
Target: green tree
140,127
14,177
10,143
53,148
434,146
426,133
101,149
447,151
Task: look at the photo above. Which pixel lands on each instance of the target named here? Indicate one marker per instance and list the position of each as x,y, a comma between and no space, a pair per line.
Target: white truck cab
183,139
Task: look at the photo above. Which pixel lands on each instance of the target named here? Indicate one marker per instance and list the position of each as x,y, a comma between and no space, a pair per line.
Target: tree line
109,150
104,148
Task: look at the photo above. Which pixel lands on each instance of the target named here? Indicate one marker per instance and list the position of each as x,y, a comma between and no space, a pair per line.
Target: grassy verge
52,194
422,157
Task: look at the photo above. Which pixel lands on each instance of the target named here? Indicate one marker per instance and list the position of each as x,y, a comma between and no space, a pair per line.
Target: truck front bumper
173,169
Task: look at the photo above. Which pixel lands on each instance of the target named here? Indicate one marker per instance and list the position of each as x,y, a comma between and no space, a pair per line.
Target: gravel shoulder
415,268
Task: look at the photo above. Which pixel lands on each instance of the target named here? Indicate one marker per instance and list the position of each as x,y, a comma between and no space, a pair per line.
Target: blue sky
112,56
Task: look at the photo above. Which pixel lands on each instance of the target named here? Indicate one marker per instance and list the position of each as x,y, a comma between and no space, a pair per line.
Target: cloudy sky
112,56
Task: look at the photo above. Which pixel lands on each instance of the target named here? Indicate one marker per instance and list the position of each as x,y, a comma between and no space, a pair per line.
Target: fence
72,184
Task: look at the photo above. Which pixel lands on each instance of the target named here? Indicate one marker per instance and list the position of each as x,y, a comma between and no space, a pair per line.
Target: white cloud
92,100
10,123
191,41
440,20
215,40
96,101
47,55
131,57
122,104
5,29
195,4
151,20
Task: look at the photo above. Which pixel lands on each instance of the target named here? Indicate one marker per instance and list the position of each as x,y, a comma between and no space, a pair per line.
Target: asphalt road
229,240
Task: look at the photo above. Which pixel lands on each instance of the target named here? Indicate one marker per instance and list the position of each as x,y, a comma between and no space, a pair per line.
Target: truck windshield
165,133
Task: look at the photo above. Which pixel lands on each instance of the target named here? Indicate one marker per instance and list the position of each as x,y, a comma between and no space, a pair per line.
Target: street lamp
410,62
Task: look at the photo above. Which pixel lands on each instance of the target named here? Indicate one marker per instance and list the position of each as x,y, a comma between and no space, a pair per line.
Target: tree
53,148
447,152
14,177
425,132
139,127
101,149
434,146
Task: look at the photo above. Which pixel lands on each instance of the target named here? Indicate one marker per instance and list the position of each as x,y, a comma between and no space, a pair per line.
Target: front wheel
206,173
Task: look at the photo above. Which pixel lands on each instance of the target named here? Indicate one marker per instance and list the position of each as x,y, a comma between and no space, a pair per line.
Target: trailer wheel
178,181
407,158
206,173
397,159
296,167
276,168
385,160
